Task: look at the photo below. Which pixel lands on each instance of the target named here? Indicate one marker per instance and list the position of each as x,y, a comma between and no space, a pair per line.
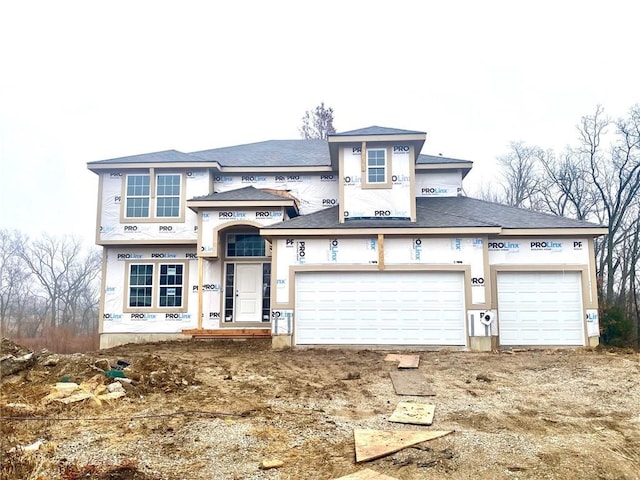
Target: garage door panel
540,308
393,308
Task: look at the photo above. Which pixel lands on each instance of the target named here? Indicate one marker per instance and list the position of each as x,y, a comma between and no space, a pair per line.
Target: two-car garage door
380,308
540,308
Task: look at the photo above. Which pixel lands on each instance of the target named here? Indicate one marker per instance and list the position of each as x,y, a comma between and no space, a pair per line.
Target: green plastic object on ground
115,374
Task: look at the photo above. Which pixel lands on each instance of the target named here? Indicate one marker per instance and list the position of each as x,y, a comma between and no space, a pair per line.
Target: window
153,197
168,196
171,285
156,285
140,285
245,245
137,203
377,165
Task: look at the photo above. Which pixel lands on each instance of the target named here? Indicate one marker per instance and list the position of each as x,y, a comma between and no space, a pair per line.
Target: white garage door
540,308
379,308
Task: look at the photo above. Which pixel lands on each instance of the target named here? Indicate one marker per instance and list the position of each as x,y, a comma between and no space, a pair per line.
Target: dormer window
376,165
378,168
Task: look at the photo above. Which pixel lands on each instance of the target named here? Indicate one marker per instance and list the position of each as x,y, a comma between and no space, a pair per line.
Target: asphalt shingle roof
166,156
375,130
271,153
443,212
246,194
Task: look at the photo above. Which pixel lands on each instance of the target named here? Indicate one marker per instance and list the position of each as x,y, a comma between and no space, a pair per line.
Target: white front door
248,283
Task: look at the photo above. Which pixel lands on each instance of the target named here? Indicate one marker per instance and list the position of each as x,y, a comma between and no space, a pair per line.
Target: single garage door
379,308
540,308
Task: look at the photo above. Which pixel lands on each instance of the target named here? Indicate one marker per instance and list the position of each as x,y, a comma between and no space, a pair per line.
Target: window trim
153,197
155,286
387,169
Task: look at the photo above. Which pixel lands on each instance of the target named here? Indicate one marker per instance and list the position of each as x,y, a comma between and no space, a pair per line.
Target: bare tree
566,187
62,271
520,171
597,180
615,174
12,275
317,123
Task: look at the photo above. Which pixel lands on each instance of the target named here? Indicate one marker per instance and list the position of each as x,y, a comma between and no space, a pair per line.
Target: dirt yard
217,409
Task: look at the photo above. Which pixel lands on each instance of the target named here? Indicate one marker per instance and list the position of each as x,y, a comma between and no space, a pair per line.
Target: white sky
87,80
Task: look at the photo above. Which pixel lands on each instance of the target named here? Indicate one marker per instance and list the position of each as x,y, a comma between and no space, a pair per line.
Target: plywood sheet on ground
413,413
410,382
405,361
372,444
367,474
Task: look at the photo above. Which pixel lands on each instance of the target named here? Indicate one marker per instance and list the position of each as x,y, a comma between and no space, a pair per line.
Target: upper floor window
137,205
377,165
168,195
153,197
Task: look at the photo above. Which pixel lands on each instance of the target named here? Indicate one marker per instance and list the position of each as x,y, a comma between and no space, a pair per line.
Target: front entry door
248,304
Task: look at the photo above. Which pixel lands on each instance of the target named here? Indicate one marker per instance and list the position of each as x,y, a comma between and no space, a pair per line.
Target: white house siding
438,184
111,228
416,251
386,202
114,318
458,251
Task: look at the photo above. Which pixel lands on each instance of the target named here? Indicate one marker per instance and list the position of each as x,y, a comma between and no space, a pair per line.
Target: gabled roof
245,197
442,213
271,153
375,130
165,156
245,194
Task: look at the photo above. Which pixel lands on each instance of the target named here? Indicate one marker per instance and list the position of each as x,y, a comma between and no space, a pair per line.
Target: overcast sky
88,80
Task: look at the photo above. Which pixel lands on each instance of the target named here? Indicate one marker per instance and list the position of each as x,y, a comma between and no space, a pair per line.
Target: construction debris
410,382
413,413
405,361
269,464
367,474
94,389
372,444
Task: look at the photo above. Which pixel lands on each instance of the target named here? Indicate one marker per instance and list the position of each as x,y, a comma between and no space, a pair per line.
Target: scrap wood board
372,444
406,361
367,474
414,413
410,382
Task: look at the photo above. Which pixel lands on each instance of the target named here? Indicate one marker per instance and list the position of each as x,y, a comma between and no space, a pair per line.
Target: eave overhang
316,232
537,232
197,205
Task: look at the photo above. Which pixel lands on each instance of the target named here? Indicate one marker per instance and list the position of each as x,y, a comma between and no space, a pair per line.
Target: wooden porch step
228,333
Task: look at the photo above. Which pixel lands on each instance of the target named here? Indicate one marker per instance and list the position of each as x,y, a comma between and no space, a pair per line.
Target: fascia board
378,138
536,232
281,232
239,203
